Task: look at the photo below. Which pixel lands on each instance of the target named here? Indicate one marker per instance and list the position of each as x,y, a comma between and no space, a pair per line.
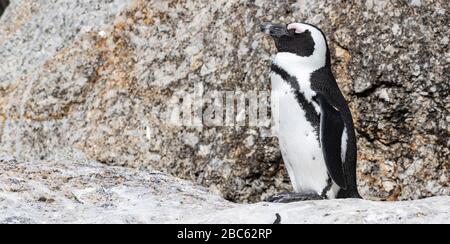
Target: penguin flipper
331,131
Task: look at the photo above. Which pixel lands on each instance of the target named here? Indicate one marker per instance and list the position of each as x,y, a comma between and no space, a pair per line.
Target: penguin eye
291,32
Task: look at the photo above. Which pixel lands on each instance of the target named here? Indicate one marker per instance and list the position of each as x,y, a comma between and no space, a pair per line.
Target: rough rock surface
95,81
89,192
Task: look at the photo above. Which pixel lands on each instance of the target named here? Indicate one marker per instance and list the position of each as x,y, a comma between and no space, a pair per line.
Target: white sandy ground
89,192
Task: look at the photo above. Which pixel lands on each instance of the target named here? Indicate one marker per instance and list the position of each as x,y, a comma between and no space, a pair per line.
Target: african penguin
311,117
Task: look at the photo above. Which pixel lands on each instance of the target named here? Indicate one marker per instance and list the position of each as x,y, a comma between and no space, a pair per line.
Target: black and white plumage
312,119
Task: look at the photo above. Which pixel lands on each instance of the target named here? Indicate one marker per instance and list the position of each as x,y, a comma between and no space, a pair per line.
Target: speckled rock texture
94,82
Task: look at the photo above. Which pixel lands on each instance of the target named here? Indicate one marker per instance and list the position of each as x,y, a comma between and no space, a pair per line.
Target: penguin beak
275,30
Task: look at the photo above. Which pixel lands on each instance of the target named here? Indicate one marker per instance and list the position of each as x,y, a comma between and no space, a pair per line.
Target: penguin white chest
298,140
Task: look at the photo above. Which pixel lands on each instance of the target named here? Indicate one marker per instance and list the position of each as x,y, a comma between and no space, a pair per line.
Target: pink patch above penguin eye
297,27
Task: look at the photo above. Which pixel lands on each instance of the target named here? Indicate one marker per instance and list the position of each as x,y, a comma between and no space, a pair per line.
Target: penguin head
303,40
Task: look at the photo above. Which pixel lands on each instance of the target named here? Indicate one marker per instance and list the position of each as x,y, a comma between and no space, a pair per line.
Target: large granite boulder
98,81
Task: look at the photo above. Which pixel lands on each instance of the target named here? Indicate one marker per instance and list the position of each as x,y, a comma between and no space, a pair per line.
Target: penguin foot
289,197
